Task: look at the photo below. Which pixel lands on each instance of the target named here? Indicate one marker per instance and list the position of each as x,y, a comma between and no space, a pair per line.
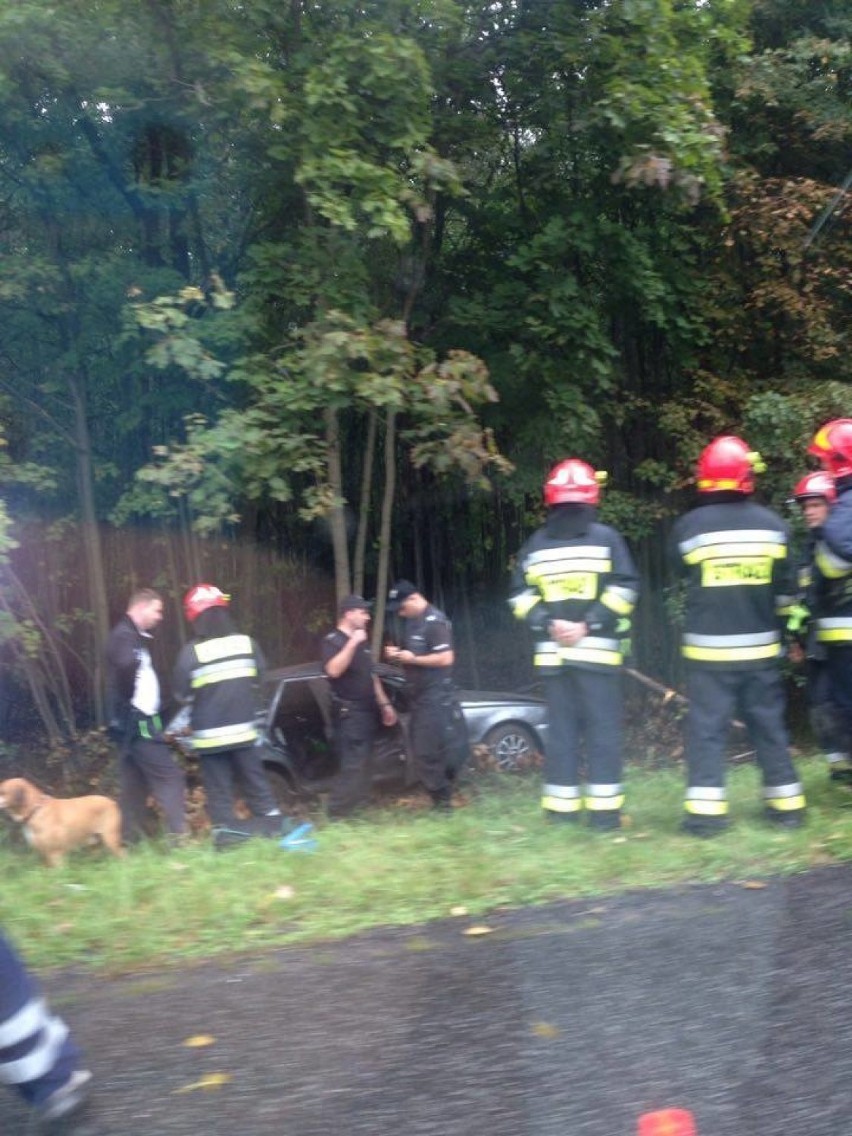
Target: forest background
298,296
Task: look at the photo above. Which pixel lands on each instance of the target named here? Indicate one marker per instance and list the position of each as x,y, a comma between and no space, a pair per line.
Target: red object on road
667,1122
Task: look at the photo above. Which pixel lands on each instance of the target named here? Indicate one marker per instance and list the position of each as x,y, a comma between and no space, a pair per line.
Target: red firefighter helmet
727,463
201,597
573,481
818,484
832,444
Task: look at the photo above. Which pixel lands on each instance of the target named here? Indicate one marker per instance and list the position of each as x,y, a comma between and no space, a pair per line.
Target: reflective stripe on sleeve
832,566
620,600
523,603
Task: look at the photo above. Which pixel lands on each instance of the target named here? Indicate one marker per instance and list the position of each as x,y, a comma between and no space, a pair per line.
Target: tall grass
395,867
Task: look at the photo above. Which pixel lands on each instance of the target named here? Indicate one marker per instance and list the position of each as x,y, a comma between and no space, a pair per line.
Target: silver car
297,730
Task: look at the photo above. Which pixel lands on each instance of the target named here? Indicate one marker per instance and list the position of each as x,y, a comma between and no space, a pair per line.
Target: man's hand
398,655
359,636
567,633
389,716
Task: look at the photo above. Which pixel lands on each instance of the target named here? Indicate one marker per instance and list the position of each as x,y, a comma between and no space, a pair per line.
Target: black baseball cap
400,592
353,603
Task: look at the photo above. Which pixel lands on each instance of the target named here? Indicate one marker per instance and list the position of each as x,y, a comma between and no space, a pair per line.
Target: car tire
511,746
284,788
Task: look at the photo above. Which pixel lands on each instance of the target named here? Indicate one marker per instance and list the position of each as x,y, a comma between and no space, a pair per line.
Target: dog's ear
18,797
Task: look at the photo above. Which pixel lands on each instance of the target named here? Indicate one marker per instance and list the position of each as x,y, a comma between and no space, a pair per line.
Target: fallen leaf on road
545,1029
478,930
208,1081
199,1040
753,885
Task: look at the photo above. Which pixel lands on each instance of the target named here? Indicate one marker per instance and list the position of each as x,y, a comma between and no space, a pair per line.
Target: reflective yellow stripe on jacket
836,629
222,659
592,649
731,648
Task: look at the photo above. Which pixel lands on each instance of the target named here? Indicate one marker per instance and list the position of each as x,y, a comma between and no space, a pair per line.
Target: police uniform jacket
740,582
220,678
577,569
833,571
428,634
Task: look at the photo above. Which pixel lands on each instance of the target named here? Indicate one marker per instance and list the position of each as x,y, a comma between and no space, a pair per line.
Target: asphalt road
568,1020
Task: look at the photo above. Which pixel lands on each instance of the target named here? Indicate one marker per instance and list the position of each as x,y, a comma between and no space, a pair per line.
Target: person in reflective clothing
218,675
575,585
438,736
832,444
38,1056
359,704
734,556
815,494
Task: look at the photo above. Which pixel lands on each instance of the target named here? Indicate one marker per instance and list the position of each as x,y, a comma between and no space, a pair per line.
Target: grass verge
394,868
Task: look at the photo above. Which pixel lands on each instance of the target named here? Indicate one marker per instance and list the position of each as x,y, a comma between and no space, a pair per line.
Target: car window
300,723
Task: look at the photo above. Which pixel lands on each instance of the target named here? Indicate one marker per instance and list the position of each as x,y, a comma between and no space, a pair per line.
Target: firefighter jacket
833,571
220,678
577,569
740,582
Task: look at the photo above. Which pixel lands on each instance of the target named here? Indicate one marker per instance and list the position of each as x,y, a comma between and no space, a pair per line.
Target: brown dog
53,826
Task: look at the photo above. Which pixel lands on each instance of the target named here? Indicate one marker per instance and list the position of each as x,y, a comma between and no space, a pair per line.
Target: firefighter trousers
715,697
585,711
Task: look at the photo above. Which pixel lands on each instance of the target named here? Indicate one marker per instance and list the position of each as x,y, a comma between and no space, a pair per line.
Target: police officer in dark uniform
359,704
734,556
438,736
574,584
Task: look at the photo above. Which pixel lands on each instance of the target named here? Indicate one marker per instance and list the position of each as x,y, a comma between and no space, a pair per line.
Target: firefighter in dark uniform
438,736
734,556
575,585
359,704
218,675
832,444
815,494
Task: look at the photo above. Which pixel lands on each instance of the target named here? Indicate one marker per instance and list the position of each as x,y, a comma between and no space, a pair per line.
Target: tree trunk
364,505
91,540
385,533
337,515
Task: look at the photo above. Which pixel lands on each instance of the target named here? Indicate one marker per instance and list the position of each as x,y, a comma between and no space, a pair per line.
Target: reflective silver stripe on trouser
603,798
785,798
48,1034
706,800
561,798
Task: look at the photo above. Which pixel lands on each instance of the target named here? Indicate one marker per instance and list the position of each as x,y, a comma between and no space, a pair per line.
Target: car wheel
284,788
511,746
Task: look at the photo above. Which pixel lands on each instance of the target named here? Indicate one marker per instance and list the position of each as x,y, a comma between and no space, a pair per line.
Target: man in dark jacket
218,675
575,586
359,704
734,557
146,766
438,735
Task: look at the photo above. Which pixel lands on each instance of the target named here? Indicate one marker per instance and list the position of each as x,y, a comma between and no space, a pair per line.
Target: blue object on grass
300,839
